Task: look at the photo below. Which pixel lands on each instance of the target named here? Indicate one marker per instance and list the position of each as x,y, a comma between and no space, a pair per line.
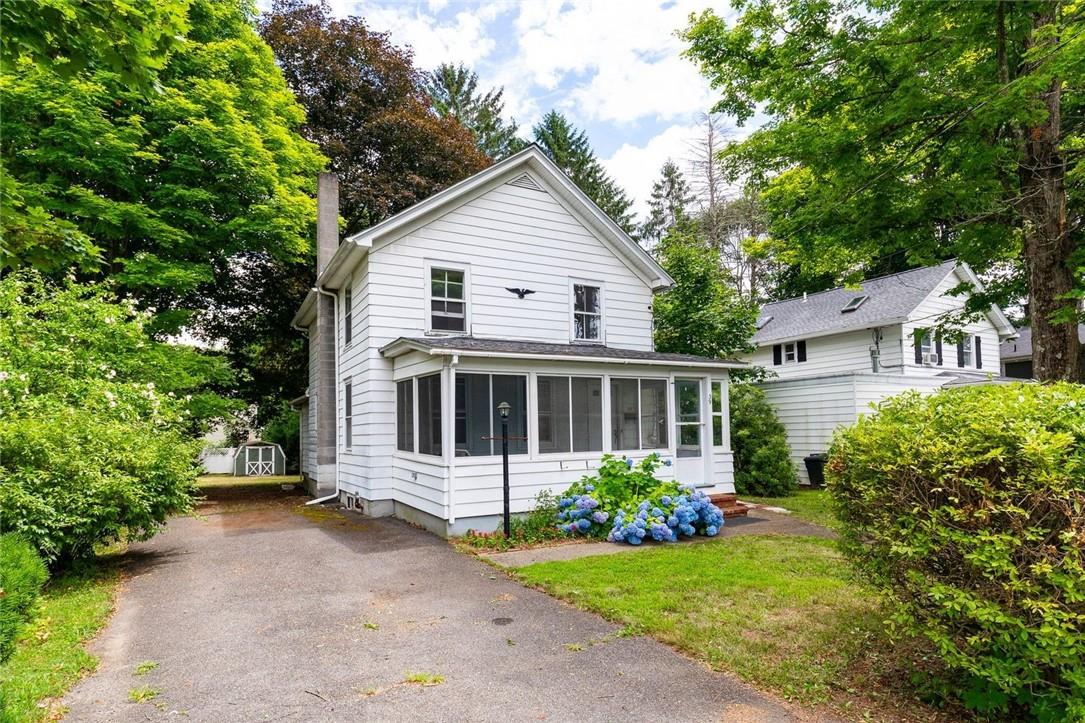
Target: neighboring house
1016,353
836,352
510,286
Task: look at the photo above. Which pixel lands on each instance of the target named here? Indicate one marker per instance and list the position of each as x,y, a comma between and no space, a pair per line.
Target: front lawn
784,613
50,656
810,505
229,480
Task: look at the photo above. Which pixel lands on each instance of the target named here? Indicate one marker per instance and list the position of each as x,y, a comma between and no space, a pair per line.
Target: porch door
689,467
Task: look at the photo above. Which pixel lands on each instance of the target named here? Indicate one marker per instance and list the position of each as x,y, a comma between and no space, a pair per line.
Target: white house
510,286
834,353
1016,353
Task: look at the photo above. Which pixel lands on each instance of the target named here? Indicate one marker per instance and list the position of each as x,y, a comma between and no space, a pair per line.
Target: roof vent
853,304
525,181
763,322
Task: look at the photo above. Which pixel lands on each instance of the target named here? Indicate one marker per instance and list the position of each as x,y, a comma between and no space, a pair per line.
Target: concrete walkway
258,613
756,522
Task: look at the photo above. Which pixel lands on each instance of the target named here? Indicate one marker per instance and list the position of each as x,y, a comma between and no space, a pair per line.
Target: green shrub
532,528
22,574
619,484
762,457
968,508
97,419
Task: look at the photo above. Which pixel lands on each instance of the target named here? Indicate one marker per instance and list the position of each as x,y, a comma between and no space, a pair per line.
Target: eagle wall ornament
519,292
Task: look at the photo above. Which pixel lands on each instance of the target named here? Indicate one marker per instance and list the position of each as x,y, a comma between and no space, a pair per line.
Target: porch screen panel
623,414
429,414
553,414
653,413
405,415
587,403
512,389
473,415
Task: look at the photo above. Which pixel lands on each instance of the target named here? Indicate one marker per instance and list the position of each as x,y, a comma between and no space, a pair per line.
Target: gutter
335,386
595,359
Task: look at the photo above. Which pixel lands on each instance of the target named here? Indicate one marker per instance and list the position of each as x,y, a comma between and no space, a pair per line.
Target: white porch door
689,466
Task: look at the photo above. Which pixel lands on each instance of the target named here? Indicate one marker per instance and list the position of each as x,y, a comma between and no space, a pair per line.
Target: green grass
781,612
142,694
810,505
423,679
50,657
229,480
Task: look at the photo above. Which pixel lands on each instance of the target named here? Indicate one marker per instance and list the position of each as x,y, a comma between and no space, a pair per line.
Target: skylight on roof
763,322
853,304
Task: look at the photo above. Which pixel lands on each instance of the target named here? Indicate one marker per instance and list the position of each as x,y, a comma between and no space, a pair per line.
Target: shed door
259,461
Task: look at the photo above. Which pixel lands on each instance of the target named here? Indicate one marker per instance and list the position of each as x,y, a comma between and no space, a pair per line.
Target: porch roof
470,346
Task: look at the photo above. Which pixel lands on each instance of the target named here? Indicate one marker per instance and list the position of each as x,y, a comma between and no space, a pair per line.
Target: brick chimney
327,241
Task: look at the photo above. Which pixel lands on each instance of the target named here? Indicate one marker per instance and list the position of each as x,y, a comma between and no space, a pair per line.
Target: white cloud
636,168
464,40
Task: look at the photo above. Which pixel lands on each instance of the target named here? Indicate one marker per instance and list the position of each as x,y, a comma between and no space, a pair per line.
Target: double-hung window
638,414
477,418
587,312
570,414
348,414
447,299
964,352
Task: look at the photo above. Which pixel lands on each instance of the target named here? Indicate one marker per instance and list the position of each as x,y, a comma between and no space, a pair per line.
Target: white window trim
968,350
430,265
667,412
794,351
603,383
573,282
348,413
722,414
495,445
348,313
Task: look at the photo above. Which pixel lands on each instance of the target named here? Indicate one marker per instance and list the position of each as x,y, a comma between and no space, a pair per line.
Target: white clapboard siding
811,409
844,352
937,304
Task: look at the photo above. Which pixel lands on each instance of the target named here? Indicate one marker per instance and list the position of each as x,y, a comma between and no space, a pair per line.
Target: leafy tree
453,91
669,204
569,148
68,36
921,131
158,190
368,111
97,419
702,314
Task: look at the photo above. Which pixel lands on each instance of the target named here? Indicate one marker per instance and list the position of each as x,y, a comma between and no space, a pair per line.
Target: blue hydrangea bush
627,503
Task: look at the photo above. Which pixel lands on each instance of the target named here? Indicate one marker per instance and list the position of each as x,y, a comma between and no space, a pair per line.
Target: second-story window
448,303
587,312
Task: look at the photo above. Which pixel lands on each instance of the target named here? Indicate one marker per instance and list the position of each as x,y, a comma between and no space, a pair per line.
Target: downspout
335,385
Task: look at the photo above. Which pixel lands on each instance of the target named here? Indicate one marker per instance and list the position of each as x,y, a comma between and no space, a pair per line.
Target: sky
613,67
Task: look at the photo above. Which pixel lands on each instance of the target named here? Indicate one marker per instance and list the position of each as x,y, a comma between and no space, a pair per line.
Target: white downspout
335,385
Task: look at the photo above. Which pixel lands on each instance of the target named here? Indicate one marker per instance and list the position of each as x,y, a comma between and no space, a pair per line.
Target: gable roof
889,300
1021,347
511,169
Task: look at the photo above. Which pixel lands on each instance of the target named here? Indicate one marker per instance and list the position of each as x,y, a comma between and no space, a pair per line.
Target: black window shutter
777,355
801,350
917,341
979,356
960,353
938,348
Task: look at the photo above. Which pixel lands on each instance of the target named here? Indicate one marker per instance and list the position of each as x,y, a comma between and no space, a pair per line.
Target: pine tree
569,148
453,90
671,198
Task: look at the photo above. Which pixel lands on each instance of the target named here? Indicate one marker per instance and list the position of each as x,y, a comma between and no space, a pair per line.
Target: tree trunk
1047,245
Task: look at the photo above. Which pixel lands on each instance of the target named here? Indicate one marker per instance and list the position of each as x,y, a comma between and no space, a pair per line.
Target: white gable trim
964,272
545,174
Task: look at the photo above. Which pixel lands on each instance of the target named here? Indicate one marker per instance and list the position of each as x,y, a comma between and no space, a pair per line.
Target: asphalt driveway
256,612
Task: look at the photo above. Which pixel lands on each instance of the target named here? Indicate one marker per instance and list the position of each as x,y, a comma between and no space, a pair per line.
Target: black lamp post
503,409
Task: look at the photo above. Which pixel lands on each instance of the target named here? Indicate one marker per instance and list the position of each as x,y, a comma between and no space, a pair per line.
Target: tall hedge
968,508
22,574
762,456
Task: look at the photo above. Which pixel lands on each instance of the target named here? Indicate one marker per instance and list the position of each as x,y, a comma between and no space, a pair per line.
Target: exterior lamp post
503,409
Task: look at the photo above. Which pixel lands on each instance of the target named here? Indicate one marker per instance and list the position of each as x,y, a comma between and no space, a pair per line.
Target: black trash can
815,468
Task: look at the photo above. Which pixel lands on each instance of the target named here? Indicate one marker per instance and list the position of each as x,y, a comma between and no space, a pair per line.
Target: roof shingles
891,299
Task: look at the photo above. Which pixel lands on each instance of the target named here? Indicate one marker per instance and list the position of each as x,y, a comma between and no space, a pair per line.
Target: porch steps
729,505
